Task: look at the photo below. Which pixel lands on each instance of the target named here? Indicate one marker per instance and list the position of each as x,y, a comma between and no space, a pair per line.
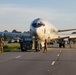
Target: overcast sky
18,14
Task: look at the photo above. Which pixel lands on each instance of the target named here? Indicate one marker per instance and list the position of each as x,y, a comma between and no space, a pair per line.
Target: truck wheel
22,50
59,45
25,49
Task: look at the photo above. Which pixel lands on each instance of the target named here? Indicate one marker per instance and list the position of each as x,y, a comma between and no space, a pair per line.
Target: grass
11,47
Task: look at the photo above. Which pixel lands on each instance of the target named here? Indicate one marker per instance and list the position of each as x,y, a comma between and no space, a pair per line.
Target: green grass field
11,47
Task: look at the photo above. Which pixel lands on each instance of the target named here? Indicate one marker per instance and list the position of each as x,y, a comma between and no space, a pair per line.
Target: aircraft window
34,25
37,24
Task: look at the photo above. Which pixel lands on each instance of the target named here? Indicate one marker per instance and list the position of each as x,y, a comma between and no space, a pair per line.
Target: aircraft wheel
59,45
22,50
63,45
36,50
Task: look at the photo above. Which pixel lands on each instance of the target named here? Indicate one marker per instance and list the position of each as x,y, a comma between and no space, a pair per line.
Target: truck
26,44
29,44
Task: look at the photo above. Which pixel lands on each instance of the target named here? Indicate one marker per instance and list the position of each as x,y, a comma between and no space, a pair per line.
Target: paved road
57,61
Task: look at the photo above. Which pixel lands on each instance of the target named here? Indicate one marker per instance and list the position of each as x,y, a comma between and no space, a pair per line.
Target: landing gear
37,48
36,44
61,45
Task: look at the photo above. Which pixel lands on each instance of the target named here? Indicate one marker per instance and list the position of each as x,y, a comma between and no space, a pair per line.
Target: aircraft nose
37,25
38,32
33,32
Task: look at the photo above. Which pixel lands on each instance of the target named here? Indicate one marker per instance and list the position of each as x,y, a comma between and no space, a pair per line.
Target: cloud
15,15
18,17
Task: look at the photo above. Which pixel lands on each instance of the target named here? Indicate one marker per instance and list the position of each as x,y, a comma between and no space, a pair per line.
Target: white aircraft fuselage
42,29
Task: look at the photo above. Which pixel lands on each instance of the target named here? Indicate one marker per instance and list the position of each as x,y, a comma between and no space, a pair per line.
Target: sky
19,14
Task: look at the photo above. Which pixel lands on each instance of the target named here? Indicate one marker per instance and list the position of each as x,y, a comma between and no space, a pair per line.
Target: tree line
15,31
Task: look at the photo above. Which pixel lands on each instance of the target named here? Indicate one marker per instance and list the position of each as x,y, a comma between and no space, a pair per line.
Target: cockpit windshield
37,24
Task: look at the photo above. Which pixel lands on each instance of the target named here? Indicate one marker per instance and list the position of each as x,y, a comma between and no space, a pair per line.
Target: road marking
48,70
26,53
53,63
18,56
58,55
60,51
32,52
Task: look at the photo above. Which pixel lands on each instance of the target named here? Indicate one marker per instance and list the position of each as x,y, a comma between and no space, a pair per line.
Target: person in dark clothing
45,46
36,44
21,44
1,45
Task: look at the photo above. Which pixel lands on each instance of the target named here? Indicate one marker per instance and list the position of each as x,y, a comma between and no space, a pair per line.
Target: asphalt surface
57,61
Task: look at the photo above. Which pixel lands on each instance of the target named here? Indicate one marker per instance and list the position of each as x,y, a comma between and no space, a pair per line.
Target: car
10,41
13,41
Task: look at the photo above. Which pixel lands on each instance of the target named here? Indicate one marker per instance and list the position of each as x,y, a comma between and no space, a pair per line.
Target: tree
24,32
5,31
15,31
6,37
28,31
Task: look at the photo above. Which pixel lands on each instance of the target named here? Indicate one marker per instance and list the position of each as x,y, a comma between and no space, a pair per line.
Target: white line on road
48,70
60,51
32,52
53,63
58,55
18,56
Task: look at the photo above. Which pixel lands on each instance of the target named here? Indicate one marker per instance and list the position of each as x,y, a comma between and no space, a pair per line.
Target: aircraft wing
14,34
66,30
59,36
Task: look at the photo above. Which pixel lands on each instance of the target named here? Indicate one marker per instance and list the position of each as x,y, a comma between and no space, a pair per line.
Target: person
36,44
1,45
45,46
70,43
21,44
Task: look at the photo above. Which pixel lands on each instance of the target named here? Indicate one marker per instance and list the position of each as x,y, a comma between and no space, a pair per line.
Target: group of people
45,45
1,45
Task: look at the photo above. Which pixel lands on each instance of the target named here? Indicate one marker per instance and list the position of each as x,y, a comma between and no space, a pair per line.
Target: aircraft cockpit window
37,24
34,24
